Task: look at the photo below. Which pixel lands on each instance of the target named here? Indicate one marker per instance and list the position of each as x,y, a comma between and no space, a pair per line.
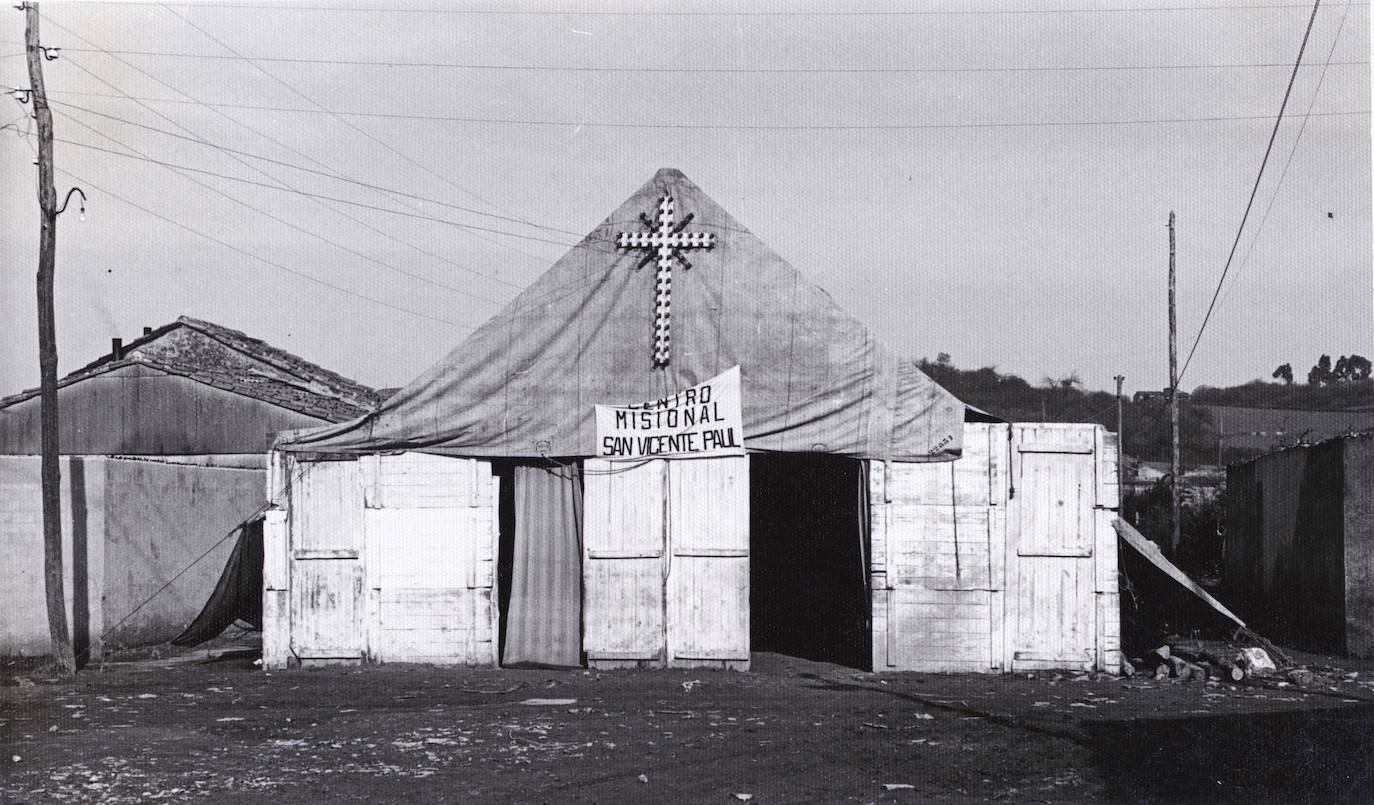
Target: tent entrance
539,564
809,548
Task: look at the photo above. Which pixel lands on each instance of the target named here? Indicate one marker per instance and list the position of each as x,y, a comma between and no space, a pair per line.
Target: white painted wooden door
326,513
623,562
666,562
431,535
938,550
1051,542
708,572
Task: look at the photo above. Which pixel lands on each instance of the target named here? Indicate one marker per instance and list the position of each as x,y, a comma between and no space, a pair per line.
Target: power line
278,180
1253,191
266,213
652,13
1291,151
304,193
718,126
261,259
706,70
289,224
426,170
326,173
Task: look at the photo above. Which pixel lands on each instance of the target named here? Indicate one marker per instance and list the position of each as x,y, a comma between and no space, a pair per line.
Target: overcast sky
987,179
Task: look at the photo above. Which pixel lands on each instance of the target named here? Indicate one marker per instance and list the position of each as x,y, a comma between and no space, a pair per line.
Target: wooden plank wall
385,558
945,597
937,538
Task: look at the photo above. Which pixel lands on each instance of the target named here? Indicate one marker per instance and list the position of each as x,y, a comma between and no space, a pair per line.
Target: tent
483,515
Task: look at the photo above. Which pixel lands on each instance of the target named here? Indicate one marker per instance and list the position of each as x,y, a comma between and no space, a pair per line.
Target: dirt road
788,731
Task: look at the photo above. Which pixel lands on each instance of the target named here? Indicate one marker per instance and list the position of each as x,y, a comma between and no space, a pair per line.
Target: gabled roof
526,382
232,361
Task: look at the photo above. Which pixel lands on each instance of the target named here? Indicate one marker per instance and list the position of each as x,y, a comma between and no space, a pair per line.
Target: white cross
664,243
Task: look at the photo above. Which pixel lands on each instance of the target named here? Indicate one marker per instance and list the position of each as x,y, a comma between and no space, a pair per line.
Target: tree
1320,374
1284,373
1352,369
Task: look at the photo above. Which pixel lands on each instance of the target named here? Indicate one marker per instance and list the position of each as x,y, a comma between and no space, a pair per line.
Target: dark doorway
808,541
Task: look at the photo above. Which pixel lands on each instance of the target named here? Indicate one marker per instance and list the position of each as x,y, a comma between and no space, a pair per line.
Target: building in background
163,445
1299,552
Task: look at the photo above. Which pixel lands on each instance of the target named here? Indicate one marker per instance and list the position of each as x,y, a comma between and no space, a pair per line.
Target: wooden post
1120,435
1221,435
1174,538
47,357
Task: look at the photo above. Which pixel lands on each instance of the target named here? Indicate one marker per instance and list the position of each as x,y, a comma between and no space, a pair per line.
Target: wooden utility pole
1120,434
1173,394
47,356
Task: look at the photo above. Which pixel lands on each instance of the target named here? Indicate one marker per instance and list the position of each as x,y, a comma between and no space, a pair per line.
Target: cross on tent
664,243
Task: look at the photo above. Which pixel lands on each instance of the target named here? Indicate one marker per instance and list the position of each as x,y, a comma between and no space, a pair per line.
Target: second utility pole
1173,397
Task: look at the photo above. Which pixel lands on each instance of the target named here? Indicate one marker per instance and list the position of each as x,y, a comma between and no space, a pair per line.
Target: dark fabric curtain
544,617
237,595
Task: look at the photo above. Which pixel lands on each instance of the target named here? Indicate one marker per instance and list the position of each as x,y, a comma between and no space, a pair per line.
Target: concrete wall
129,526
23,605
159,518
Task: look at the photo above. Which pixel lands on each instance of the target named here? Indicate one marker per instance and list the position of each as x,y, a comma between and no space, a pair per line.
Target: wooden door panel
1051,563
623,565
708,573
326,516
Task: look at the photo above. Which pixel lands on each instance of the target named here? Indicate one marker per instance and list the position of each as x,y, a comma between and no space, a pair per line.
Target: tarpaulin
237,595
526,383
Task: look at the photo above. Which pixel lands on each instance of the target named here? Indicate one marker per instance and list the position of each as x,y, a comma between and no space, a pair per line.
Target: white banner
704,420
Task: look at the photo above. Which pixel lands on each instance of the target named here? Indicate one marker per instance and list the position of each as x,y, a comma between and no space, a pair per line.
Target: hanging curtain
544,619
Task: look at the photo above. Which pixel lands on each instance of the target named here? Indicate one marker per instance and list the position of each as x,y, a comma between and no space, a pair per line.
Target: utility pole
1120,434
1173,393
47,355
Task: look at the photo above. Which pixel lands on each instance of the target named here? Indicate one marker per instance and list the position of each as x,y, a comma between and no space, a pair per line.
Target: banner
704,420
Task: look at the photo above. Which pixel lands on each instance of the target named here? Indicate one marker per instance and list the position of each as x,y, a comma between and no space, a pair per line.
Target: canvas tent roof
526,382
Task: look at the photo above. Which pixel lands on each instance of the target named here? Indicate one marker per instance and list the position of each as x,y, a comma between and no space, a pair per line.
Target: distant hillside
1261,430
1211,412
1348,396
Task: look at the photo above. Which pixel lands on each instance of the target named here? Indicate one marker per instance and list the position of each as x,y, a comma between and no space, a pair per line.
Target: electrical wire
222,114
325,173
1173,389
697,70
261,259
425,170
266,213
737,13
723,126
1291,151
137,155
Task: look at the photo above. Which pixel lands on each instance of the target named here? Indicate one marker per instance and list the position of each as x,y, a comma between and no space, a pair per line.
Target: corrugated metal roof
233,361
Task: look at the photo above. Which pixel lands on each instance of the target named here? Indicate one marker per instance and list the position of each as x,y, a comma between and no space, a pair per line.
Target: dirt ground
787,731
